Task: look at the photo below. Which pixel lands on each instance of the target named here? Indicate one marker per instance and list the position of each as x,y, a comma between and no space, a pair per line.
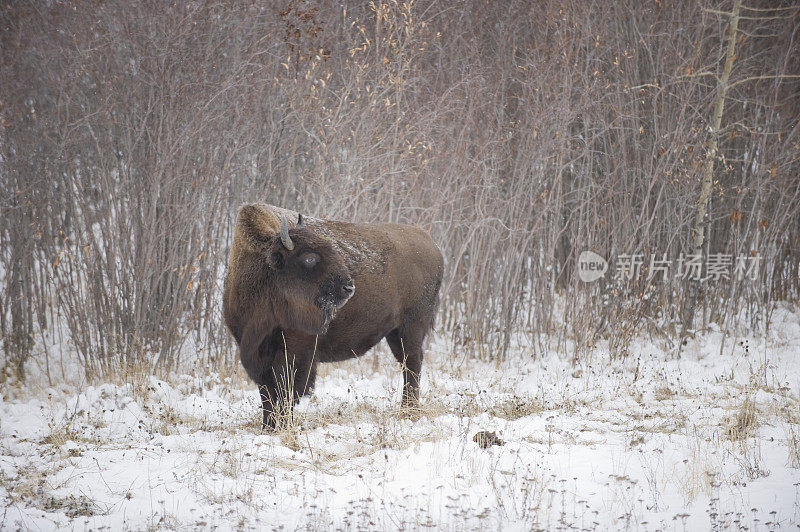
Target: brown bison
300,291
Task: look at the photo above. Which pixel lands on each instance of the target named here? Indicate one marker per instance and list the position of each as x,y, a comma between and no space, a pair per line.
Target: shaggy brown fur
287,317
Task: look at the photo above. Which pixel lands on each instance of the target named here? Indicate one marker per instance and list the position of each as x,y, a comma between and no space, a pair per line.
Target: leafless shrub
519,135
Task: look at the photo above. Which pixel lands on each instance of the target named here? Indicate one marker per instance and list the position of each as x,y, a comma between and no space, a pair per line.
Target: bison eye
309,260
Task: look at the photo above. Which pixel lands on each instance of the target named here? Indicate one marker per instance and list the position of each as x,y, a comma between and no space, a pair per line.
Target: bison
301,290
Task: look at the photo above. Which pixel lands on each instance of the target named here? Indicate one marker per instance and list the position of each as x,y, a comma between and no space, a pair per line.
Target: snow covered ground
650,442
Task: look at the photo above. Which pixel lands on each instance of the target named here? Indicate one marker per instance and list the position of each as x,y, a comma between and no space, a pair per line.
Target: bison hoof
277,421
411,410
269,422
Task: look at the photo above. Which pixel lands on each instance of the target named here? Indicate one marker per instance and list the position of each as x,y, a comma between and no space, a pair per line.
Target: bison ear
277,260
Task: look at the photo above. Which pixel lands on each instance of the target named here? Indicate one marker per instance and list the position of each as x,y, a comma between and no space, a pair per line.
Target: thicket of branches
519,133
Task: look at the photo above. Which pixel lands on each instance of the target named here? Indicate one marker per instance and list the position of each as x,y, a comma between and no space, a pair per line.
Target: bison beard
329,301
297,294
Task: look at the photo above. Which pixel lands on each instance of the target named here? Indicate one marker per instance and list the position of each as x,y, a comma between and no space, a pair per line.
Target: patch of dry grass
30,486
516,407
792,431
744,422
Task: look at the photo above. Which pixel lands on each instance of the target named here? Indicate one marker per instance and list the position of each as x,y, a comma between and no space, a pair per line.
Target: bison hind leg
406,346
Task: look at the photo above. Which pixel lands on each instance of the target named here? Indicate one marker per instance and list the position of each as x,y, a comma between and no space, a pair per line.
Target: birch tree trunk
698,232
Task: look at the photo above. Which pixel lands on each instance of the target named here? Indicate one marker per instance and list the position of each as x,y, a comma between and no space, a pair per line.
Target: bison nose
348,289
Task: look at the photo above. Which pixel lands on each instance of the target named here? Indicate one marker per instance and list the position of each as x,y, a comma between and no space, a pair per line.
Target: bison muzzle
300,291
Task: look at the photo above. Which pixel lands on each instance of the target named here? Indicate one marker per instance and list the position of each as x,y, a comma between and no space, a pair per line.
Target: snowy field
710,441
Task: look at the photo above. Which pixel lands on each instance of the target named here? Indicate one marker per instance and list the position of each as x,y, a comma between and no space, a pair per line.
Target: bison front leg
270,405
276,402
293,377
304,378
277,399
257,351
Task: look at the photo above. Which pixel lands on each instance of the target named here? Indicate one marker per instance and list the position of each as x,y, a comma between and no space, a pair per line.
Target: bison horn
285,239
299,219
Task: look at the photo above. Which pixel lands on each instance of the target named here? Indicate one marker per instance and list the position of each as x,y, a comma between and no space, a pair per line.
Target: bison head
308,278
